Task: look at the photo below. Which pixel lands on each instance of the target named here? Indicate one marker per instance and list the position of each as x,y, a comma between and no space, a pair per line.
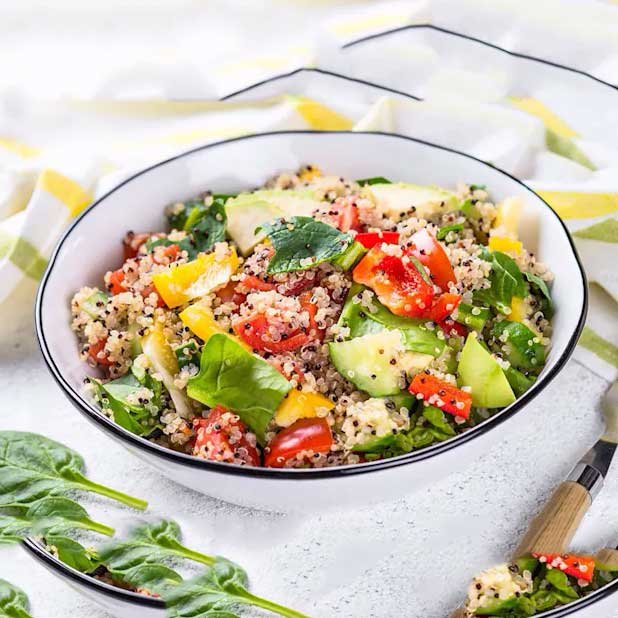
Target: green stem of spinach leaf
96,526
272,606
196,556
108,492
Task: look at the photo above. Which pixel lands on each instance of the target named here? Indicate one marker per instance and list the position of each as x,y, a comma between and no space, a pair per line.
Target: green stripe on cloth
605,231
22,254
597,345
566,147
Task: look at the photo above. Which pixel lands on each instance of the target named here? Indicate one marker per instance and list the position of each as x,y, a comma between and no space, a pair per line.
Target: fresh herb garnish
542,286
444,231
375,180
240,381
303,242
478,187
506,282
33,466
121,397
13,601
209,227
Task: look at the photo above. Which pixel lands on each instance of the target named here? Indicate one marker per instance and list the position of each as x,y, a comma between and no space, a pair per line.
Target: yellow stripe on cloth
318,116
19,148
578,205
540,110
74,197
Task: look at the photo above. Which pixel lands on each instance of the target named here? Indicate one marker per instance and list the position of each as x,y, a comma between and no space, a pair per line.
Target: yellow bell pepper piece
180,284
300,404
309,172
518,310
508,215
505,244
201,322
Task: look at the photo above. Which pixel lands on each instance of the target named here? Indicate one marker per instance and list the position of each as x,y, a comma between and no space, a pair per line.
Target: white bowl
126,604
92,245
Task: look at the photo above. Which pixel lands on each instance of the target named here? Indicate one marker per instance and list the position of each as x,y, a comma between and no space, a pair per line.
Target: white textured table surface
412,557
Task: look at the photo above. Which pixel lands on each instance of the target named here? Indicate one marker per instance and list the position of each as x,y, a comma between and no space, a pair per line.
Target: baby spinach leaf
375,180
240,381
538,283
506,281
53,513
33,466
72,553
303,242
13,601
149,542
186,244
152,577
115,395
436,418
361,321
217,593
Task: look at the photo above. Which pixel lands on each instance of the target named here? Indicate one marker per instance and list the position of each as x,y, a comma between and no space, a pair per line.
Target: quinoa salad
317,321
538,582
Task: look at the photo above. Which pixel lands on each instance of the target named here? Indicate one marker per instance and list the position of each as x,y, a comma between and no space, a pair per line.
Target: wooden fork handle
607,557
552,530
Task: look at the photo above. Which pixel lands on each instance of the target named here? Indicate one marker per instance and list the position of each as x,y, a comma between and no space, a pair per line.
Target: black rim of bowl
94,415
38,552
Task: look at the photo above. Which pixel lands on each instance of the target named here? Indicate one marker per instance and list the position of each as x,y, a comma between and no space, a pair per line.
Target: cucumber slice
480,371
396,198
373,363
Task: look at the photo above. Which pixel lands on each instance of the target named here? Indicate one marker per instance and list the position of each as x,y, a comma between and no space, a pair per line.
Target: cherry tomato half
306,434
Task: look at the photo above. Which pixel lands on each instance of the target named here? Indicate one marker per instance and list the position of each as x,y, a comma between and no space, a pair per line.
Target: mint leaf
303,242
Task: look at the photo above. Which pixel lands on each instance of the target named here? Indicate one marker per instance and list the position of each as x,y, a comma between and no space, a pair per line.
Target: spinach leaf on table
303,242
149,542
240,381
52,513
217,593
33,466
13,601
506,281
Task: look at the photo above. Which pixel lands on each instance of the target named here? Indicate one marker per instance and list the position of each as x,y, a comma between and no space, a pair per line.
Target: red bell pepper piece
430,253
371,239
442,394
581,567
399,284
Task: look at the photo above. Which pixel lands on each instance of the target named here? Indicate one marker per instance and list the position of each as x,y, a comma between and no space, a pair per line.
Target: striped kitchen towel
415,68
